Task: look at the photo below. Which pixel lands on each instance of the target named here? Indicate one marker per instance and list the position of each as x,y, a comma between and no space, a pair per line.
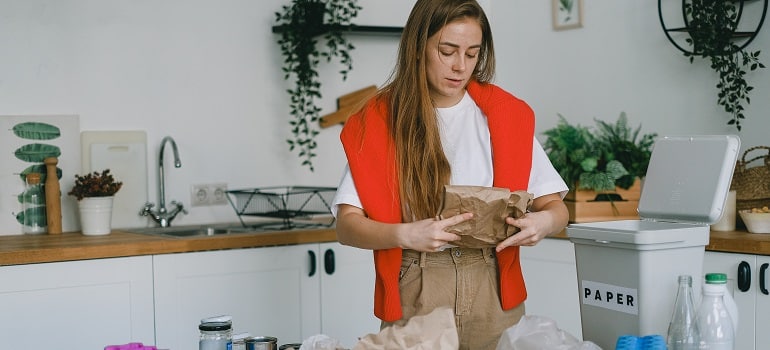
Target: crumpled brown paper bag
490,206
435,330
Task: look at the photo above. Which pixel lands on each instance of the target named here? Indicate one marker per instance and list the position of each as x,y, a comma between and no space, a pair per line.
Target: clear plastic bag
540,333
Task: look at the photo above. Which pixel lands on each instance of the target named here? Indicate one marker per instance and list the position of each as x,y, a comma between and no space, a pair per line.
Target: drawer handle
329,261
762,272
312,263
744,276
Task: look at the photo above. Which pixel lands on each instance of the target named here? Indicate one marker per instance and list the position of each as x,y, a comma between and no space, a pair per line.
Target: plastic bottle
714,320
647,342
683,333
33,202
721,280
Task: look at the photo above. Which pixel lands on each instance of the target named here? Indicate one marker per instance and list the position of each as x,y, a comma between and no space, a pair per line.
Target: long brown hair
423,168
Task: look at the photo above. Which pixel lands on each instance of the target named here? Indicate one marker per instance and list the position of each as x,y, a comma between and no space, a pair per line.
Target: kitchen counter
30,249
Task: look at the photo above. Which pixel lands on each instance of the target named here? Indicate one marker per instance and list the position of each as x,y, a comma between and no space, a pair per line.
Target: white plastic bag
540,333
320,342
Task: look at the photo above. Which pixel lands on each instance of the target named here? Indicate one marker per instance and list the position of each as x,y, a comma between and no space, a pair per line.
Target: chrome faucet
162,216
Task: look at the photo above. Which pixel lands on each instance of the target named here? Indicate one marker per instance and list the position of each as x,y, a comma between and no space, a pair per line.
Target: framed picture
25,141
567,14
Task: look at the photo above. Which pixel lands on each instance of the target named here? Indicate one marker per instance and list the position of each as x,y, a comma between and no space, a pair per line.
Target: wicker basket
752,184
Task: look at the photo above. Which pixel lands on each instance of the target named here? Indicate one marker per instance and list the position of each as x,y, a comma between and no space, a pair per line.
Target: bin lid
639,234
688,178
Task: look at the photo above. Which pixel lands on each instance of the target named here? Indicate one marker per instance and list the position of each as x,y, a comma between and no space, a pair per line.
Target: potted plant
619,142
95,193
602,165
598,160
712,28
300,24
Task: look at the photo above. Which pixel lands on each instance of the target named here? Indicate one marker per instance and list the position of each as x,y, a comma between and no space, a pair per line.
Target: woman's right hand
430,235
356,229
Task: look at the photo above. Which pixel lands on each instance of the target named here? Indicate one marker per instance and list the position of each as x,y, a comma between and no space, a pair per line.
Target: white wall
208,73
620,60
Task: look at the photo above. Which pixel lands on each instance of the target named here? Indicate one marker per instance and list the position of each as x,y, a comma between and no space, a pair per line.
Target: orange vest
371,157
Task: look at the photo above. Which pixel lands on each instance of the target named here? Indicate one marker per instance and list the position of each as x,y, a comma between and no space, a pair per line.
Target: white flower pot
95,215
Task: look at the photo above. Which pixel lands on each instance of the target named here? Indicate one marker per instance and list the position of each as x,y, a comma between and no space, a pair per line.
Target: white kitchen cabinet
347,293
550,275
77,305
284,292
753,303
266,290
761,285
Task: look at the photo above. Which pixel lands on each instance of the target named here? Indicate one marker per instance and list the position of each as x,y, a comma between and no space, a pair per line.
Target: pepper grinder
52,196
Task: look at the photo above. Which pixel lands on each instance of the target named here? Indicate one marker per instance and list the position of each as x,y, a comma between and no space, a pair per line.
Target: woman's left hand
549,216
534,227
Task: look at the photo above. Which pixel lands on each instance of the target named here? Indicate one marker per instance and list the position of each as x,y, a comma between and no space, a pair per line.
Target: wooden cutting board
125,154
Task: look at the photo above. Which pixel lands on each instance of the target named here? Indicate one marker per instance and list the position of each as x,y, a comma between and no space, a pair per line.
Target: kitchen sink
225,229
191,231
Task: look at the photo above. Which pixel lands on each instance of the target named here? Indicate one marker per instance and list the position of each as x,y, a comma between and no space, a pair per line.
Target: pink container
130,346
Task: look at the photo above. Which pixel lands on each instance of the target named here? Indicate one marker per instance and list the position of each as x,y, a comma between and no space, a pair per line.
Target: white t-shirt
465,137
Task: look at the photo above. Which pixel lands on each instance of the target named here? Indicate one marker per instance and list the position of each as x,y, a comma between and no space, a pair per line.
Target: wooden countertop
739,242
30,249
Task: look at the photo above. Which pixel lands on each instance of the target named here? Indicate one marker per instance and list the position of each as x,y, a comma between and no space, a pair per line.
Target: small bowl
756,222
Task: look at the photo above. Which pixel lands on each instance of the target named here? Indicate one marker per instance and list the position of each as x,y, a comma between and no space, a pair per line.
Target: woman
439,121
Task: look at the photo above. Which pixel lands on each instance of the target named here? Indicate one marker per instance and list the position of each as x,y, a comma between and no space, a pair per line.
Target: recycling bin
627,270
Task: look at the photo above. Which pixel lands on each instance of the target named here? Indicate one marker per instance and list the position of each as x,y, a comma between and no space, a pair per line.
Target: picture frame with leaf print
567,14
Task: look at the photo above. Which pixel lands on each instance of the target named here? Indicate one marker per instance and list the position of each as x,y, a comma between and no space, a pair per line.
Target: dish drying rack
286,203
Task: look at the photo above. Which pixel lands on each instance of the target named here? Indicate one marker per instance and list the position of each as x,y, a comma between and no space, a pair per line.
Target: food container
756,222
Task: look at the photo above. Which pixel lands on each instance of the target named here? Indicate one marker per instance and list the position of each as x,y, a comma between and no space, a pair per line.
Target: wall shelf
740,38
356,29
736,35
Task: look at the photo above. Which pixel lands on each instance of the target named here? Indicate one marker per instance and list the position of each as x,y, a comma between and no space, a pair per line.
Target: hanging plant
712,31
300,25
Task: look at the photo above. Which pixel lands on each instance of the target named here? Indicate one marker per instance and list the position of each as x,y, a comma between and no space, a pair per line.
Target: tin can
239,341
261,343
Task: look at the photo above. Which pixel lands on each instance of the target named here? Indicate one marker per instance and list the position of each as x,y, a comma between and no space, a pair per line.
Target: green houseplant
95,193
95,184
300,25
712,31
599,160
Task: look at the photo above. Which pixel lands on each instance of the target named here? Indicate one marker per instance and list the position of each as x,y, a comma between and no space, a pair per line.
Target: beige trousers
464,279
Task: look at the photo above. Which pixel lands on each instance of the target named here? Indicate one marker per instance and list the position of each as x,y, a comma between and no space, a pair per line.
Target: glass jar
33,203
216,335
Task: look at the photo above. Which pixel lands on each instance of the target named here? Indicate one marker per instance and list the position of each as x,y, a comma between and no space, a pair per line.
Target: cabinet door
267,291
347,293
77,305
729,263
550,274
763,300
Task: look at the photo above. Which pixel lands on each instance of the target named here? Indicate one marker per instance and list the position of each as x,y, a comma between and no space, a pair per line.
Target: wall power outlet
208,194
